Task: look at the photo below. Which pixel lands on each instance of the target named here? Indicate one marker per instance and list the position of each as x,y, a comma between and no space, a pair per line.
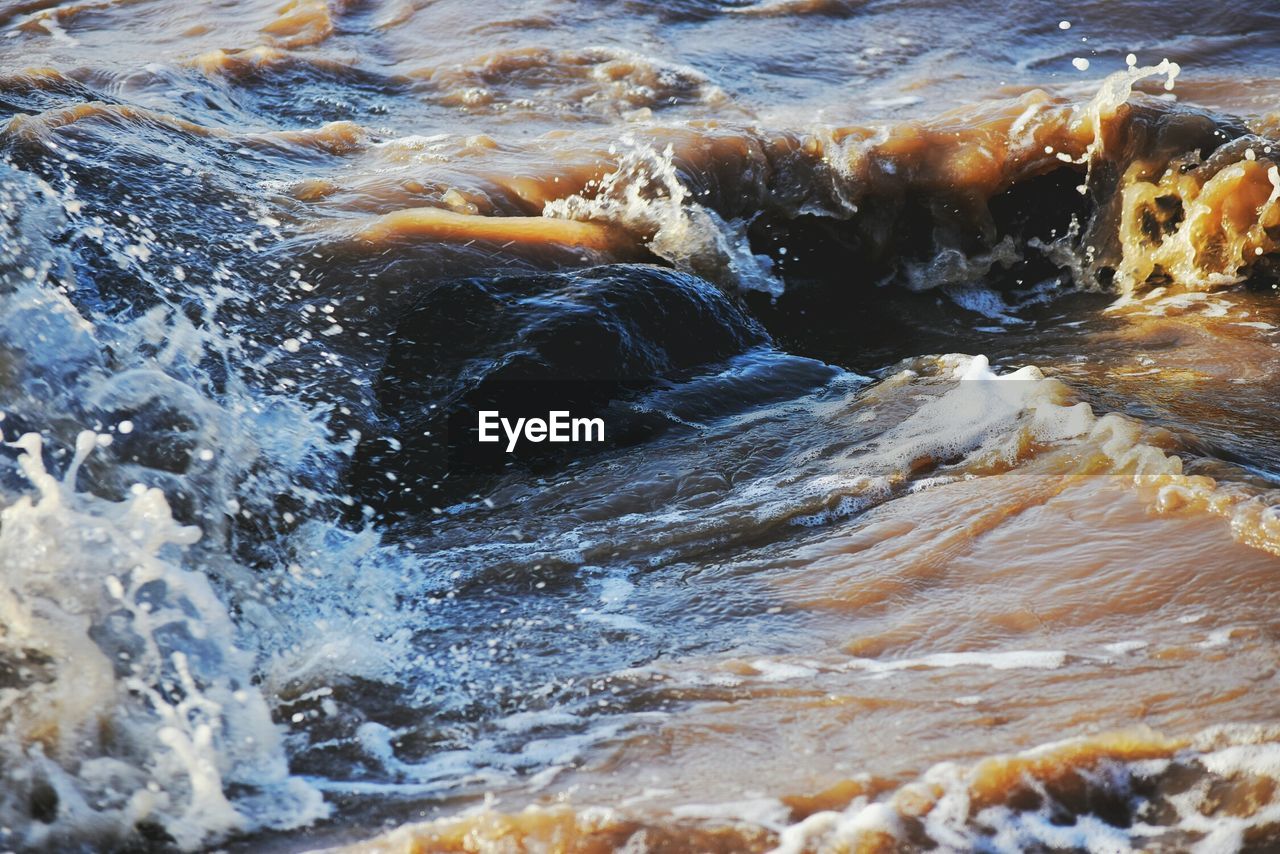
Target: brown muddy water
936,347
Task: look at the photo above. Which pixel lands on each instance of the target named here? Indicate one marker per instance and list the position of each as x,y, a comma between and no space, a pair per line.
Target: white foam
644,193
1217,638
766,812
1125,647
983,412
184,715
778,671
1011,660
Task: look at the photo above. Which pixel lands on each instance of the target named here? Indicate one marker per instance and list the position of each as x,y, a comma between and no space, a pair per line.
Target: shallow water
935,347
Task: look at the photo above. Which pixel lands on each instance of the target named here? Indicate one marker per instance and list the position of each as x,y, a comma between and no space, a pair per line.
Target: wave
1122,791
1145,192
593,81
222,348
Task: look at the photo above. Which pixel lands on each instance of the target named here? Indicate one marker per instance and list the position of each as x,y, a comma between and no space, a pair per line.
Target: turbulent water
936,345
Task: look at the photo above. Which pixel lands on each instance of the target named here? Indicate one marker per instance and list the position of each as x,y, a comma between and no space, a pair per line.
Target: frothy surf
819,590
